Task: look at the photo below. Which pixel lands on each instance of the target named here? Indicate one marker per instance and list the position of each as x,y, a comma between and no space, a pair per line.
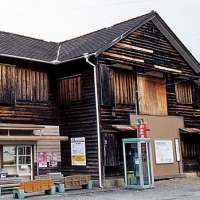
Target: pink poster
42,159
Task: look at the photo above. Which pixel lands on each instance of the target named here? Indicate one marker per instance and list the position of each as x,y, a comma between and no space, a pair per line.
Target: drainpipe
86,56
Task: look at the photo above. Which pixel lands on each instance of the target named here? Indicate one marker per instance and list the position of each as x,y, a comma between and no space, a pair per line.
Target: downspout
86,56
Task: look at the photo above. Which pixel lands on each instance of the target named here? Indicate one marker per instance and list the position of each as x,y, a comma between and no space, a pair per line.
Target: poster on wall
42,159
78,155
53,159
164,151
178,156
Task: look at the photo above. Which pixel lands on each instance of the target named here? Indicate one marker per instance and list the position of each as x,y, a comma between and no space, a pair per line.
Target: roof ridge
25,36
152,12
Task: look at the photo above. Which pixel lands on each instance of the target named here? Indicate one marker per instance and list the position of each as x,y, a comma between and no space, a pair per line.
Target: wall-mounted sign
53,159
178,157
78,154
142,130
164,151
42,159
140,121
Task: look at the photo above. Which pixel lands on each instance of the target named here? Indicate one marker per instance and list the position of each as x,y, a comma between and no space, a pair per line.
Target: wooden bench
34,186
54,176
75,180
6,184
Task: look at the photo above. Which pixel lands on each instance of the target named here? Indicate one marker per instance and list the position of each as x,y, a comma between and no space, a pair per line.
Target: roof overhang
6,126
25,127
124,128
190,130
178,45
33,138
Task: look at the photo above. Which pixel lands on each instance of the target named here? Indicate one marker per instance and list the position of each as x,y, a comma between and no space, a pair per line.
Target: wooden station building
91,87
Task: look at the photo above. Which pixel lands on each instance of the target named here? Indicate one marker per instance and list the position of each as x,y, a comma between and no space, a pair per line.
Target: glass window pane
9,155
24,159
24,150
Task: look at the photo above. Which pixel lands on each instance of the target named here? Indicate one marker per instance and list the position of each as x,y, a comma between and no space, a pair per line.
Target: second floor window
23,85
184,94
32,86
69,90
118,86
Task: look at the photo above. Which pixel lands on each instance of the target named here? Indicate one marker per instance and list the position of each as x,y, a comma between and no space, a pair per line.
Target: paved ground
181,189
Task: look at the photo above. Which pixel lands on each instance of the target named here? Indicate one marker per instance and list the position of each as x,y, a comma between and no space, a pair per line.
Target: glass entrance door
17,160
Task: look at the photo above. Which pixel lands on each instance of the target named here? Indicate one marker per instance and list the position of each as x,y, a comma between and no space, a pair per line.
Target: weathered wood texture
79,120
32,103
143,50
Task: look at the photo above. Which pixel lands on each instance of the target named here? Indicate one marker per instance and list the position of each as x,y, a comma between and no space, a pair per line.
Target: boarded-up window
32,86
118,86
111,153
69,90
152,95
7,84
183,91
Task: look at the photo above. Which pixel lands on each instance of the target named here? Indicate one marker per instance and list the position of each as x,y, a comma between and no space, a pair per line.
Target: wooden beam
123,57
33,138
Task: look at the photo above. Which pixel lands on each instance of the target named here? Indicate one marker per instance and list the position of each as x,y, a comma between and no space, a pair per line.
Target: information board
78,154
164,151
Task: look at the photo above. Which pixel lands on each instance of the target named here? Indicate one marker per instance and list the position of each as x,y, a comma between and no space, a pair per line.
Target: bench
33,186
54,176
7,184
75,180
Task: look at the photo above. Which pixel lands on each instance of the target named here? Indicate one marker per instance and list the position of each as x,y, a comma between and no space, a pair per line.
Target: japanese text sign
142,130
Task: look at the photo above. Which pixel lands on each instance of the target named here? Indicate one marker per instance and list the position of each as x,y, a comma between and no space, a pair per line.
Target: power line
79,8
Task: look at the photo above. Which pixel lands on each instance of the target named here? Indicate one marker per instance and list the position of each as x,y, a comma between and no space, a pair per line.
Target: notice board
78,154
164,151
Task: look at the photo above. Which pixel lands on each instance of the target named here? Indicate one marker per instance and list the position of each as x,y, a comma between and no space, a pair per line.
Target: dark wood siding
27,112
143,50
79,120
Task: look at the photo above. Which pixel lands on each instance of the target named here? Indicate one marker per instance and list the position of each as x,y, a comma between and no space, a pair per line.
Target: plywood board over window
69,90
7,84
32,86
117,86
152,95
184,92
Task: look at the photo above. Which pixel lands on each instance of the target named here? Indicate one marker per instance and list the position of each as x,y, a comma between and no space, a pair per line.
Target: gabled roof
12,45
98,41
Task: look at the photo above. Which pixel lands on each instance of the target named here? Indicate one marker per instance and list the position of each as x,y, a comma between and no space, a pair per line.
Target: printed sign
178,157
142,130
53,159
140,121
164,151
78,155
42,159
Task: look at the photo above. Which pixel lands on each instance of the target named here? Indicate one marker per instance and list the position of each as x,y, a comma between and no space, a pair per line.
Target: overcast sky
59,20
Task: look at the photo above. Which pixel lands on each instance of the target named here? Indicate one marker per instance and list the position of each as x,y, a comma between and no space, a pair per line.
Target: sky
59,20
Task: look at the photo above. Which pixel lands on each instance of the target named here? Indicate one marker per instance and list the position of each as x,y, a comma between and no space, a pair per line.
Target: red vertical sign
142,130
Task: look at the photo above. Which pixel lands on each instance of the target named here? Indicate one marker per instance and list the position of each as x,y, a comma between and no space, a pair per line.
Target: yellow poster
78,154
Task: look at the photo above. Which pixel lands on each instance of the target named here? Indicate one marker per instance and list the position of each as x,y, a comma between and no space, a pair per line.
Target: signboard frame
164,151
78,152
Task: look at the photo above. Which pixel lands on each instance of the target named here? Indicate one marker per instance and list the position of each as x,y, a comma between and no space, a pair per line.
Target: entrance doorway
17,160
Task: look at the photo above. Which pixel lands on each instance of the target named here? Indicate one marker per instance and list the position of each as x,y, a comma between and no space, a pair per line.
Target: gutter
87,56
54,62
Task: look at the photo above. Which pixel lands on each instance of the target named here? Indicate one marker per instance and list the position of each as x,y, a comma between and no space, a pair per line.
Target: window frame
184,91
73,85
15,89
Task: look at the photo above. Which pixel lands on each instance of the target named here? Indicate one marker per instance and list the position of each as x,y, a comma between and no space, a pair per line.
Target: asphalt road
182,188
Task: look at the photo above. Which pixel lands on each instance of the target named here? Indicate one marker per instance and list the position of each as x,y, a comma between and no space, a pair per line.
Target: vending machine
138,168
